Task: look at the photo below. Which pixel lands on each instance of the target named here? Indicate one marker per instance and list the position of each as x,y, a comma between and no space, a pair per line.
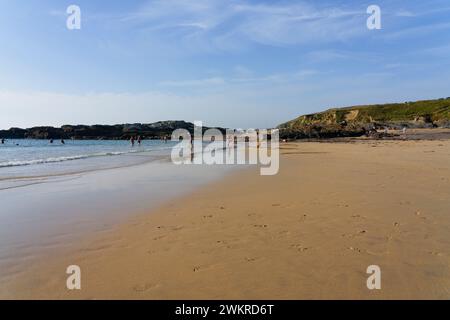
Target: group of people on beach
133,139
138,139
3,140
62,141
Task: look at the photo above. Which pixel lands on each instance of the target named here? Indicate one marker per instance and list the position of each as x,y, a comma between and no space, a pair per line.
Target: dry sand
309,232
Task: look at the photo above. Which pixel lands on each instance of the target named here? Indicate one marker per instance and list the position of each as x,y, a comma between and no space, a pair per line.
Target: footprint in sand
250,259
356,249
260,225
299,247
226,244
350,235
208,216
201,268
421,216
144,287
284,232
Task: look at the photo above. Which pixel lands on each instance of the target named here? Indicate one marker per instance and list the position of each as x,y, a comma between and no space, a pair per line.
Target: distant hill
155,130
356,120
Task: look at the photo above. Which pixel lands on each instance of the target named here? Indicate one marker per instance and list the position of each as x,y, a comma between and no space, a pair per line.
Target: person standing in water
3,141
139,140
62,141
132,141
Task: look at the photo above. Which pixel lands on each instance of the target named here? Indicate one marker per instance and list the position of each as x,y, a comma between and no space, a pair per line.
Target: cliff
357,120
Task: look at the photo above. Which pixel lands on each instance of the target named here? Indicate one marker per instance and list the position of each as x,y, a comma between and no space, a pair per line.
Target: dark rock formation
359,120
155,130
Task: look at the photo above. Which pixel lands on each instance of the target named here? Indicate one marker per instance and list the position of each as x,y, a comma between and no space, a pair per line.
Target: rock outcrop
155,130
359,120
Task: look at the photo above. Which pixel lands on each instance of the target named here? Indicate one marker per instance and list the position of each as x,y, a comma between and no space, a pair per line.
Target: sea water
22,159
54,195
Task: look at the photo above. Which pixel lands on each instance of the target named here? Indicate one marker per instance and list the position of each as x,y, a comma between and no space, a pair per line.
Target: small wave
66,158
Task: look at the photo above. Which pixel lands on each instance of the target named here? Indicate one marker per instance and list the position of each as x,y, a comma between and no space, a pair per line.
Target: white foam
66,158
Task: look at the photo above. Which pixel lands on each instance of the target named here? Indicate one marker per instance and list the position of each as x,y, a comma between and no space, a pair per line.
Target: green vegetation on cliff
354,121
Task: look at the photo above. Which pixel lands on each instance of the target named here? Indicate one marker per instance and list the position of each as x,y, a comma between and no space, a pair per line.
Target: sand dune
309,232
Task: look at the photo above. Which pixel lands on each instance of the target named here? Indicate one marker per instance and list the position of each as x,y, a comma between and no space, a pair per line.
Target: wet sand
309,232
41,216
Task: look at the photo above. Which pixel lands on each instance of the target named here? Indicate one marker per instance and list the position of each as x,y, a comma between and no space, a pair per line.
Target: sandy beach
309,232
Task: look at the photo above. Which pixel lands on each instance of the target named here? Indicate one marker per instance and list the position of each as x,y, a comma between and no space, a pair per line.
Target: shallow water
37,158
52,205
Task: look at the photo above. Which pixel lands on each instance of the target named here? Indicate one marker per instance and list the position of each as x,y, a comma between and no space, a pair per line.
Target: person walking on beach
230,142
192,148
258,139
404,132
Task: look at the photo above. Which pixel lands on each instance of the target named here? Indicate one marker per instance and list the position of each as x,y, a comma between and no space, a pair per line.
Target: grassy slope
428,110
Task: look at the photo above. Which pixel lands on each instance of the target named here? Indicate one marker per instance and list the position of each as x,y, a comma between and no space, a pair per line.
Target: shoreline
309,232
43,217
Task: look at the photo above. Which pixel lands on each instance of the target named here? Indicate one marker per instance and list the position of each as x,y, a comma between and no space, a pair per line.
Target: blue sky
233,63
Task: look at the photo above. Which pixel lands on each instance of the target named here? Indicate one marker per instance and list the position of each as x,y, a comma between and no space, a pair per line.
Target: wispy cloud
439,51
57,13
194,83
222,22
327,55
405,13
421,12
418,30
243,76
